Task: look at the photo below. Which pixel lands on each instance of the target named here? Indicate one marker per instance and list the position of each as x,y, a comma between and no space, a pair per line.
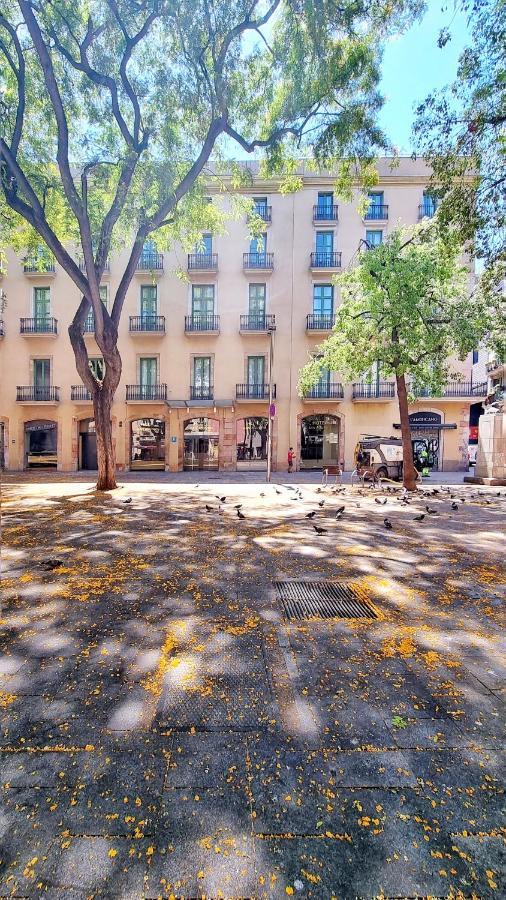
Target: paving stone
206,760
26,832
95,866
473,768
428,733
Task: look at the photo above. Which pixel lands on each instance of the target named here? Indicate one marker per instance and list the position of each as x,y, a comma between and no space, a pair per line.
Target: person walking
291,457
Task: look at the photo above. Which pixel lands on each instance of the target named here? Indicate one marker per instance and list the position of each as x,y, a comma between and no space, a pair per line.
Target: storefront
319,442
147,444
251,442
41,444
201,443
427,438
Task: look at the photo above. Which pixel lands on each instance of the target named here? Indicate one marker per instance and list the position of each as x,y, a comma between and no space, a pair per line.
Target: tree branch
19,73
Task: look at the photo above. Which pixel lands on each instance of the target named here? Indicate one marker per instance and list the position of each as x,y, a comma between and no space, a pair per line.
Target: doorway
87,445
319,442
201,440
41,444
147,444
428,444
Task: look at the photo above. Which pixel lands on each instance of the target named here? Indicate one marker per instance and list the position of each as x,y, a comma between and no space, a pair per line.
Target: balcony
147,325
454,390
80,394
377,212
149,262
325,259
263,212
377,390
255,262
257,322
39,326
38,394
496,367
254,392
333,390
320,322
201,392
202,324
82,265
325,213
146,393
202,262
33,266
426,211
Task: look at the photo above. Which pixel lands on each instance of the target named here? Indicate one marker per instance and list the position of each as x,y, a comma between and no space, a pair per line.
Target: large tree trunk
408,468
106,456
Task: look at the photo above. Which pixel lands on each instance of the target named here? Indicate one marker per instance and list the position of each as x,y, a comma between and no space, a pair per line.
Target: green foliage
399,722
461,131
405,306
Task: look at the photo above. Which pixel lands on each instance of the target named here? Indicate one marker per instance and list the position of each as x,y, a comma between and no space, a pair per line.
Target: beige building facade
194,387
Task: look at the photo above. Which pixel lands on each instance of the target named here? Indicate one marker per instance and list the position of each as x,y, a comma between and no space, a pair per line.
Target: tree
461,133
111,111
405,308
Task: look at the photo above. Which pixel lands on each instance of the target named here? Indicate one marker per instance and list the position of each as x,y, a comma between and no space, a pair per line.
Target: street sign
272,410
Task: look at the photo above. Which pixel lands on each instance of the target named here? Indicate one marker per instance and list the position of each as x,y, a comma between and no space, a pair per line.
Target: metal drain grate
323,600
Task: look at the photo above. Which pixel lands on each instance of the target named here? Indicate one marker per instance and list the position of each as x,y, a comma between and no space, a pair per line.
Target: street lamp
271,329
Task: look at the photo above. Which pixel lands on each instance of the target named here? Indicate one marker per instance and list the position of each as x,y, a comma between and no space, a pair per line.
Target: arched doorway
147,444
87,444
201,439
41,444
425,438
319,442
251,442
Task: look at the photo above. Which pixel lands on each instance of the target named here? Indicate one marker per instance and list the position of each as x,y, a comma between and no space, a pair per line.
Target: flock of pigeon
441,494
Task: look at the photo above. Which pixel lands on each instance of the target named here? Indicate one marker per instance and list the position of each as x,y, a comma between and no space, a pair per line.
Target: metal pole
269,426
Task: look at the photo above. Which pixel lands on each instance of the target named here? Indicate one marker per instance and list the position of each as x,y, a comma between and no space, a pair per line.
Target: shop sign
424,418
40,426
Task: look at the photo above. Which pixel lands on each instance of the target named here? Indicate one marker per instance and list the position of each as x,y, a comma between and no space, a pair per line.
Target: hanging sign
272,410
424,418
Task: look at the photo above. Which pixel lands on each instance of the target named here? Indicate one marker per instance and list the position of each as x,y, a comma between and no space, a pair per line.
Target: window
90,321
256,371
205,245
258,245
41,373
201,377
323,299
377,209
325,205
429,204
202,300
148,300
148,371
260,206
324,242
324,380
476,354
375,198
374,238
41,302
257,300
97,366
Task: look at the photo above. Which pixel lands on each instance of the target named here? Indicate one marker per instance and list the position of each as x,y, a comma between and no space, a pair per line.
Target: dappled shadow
165,731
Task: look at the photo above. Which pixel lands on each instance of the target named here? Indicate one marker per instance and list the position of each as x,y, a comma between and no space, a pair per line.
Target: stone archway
319,440
201,438
147,443
41,443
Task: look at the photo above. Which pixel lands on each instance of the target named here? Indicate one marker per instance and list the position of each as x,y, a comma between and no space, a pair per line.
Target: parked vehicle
379,457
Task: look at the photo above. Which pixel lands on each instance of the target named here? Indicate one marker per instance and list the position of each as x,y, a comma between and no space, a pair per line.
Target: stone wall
491,456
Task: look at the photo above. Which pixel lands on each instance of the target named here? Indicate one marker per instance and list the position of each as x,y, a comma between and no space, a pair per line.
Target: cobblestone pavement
166,732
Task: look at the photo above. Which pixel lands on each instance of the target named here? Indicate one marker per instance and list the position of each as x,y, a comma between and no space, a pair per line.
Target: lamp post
271,329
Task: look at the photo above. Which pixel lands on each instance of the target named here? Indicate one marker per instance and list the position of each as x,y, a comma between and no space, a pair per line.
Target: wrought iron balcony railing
42,325
149,262
258,260
80,392
377,212
82,265
263,211
325,212
34,266
381,390
206,261
147,323
37,394
454,389
2,328
201,392
204,322
333,390
258,322
426,210
146,392
326,259
254,391
320,321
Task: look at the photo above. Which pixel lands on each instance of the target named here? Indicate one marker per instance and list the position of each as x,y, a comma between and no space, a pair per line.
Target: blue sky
413,66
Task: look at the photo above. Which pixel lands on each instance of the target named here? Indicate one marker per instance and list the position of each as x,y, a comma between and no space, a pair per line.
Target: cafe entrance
201,443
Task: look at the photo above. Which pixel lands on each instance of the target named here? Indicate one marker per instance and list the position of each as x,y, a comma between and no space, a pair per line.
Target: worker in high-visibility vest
424,461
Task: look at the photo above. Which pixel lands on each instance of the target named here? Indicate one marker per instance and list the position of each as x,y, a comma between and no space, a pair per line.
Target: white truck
379,457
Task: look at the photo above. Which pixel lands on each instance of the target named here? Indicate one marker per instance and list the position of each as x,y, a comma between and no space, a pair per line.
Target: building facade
195,382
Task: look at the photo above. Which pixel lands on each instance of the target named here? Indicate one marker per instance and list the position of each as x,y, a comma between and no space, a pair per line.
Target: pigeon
209,508
339,512
318,490
128,500
277,492
319,530
387,523
196,485
455,505
52,563
310,515
237,505
240,515
321,503
432,512
420,518
262,494
381,502
221,499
